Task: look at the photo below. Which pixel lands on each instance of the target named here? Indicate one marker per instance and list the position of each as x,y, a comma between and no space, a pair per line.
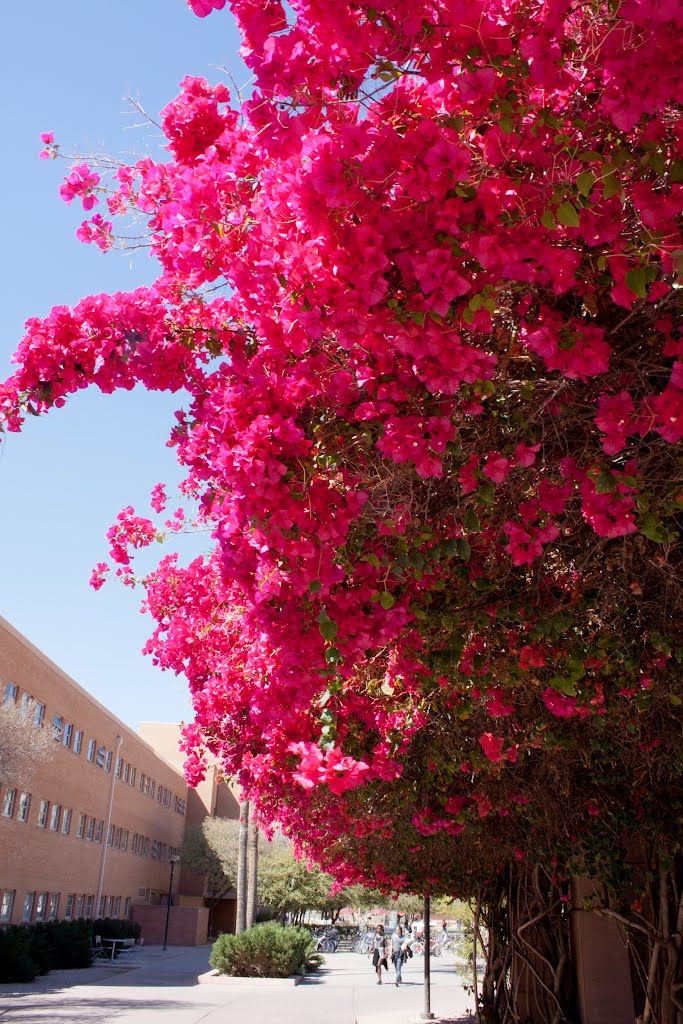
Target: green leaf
471,521
610,186
464,549
675,700
563,685
332,655
652,527
567,215
637,281
387,600
605,482
585,182
314,586
328,629
548,219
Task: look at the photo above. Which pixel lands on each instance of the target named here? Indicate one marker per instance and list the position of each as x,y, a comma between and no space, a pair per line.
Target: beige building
92,832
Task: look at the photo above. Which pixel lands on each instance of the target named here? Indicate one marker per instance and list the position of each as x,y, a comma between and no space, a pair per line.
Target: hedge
27,950
265,951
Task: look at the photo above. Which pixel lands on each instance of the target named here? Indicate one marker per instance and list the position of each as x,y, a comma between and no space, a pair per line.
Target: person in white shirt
379,952
398,940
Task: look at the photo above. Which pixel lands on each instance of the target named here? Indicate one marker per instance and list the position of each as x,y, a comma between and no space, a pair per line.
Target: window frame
8,802
24,806
7,898
43,813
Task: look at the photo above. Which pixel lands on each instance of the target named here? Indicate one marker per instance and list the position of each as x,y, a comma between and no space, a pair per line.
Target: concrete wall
187,926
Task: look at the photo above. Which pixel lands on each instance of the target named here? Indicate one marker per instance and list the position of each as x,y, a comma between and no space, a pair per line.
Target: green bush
113,928
265,951
16,962
69,944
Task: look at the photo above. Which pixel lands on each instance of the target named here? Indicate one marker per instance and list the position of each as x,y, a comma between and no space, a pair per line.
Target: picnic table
122,943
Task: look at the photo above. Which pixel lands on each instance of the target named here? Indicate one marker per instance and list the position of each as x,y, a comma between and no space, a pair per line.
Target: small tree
22,744
210,850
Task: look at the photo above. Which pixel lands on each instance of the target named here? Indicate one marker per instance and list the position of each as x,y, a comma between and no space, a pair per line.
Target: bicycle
327,941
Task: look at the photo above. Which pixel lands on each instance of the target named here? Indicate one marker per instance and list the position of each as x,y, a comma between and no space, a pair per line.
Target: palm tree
241,917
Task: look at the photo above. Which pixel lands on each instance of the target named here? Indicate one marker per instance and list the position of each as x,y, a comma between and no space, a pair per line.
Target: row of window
58,819
96,753
44,906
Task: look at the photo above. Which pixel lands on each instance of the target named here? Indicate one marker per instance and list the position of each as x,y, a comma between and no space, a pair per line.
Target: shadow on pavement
84,1011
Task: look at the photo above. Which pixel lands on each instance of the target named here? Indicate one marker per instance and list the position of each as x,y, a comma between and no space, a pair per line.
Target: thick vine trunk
241,909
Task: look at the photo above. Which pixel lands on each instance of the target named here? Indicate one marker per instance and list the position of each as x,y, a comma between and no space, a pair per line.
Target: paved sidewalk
161,988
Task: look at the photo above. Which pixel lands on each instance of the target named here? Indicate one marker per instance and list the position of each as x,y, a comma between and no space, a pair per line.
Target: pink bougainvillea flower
492,746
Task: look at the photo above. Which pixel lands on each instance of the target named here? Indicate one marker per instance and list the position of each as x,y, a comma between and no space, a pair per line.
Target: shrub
16,962
265,951
69,944
113,928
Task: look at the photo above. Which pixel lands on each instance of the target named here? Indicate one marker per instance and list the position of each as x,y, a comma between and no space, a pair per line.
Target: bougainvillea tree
419,294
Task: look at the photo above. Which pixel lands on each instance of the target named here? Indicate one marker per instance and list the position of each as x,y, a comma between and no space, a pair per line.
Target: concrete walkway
161,988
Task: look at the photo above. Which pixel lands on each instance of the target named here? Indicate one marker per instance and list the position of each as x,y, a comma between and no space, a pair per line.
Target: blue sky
67,67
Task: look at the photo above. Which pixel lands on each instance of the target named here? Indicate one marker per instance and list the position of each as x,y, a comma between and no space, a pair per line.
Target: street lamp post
427,1011
174,860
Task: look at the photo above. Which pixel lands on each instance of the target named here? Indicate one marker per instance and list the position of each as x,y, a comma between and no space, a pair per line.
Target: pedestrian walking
379,952
397,952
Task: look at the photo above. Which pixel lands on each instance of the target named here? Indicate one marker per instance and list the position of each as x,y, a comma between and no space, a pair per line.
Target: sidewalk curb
214,978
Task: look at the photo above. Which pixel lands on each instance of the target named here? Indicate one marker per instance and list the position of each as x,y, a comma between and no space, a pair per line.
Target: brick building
92,831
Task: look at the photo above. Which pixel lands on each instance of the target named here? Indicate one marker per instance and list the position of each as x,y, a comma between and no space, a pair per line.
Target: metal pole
168,904
105,837
427,1012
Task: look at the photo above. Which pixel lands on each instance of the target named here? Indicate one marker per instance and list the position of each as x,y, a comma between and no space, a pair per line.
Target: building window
10,694
107,761
6,904
124,838
116,906
90,828
79,905
54,817
101,755
38,714
126,907
69,908
81,826
24,805
107,907
153,788
100,906
133,772
99,825
27,909
92,746
117,837
148,787
54,907
126,771
8,803
57,728
155,850
89,903
40,906
67,730
78,741
42,813
119,767
134,843
66,821
142,782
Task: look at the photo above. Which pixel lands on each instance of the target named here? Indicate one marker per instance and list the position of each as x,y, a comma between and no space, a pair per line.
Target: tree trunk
252,871
241,915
